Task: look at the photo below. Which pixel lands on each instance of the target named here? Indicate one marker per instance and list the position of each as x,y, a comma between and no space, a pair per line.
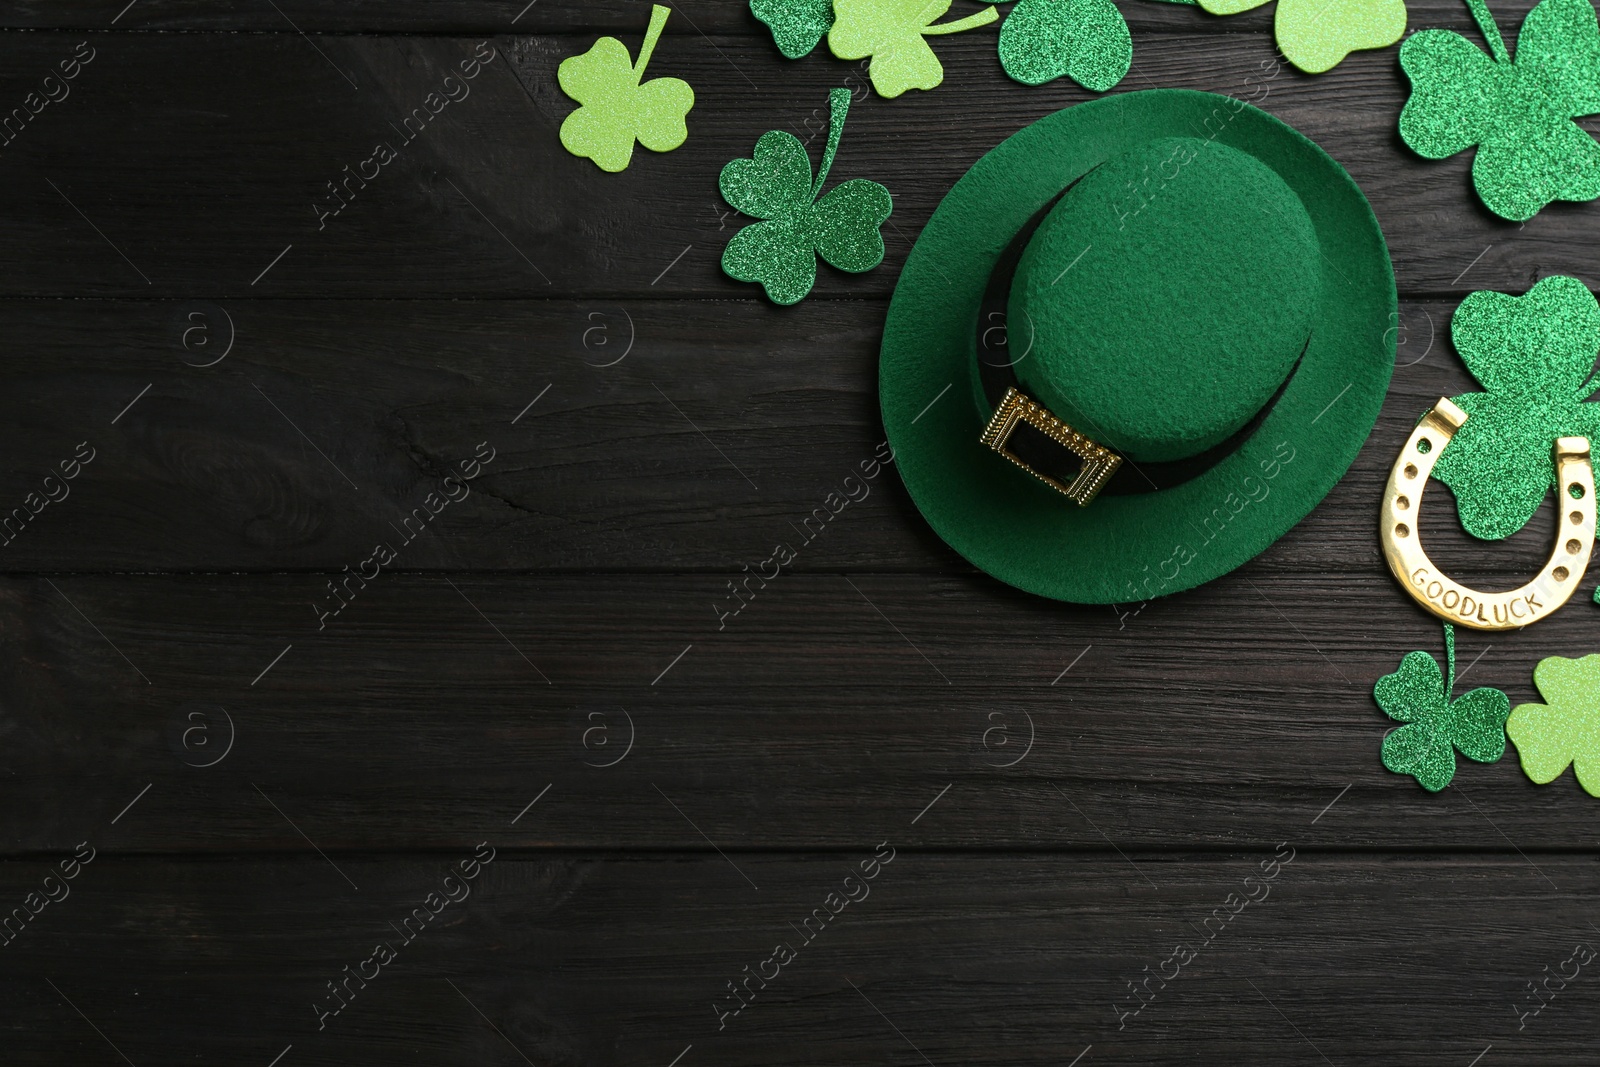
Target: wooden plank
272,786
432,708
478,16
485,203
574,16
629,458
972,959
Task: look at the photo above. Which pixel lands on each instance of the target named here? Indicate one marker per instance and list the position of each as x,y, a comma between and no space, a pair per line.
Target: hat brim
1130,548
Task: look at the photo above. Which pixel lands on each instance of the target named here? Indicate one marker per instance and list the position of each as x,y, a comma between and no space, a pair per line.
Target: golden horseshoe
1451,601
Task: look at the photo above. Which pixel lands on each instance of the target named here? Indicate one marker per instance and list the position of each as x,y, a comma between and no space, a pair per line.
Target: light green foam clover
1534,355
1316,35
892,32
1519,113
1041,40
1436,726
1087,40
781,252
616,109
796,25
1567,729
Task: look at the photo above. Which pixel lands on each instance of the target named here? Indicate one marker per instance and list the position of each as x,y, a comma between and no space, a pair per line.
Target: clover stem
1450,658
658,21
1489,29
838,108
971,22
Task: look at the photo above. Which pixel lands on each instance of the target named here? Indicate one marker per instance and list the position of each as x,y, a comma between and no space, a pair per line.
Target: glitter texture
796,25
1565,731
1534,355
781,252
1519,113
1315,35
1436,726
1086,40
892,32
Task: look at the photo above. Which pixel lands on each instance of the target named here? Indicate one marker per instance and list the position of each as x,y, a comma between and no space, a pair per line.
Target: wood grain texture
270,388
598,959
674,435
483,203
580,16
433,706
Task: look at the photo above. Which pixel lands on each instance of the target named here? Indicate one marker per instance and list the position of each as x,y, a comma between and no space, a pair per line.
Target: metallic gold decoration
1099,462
1451,601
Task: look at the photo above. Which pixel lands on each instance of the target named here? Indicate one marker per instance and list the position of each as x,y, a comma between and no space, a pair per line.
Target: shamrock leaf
775,185
1087,40
776,182
1535,354
1316,35
796,25
1519,113
1567,729
891,32
616,109
1436,726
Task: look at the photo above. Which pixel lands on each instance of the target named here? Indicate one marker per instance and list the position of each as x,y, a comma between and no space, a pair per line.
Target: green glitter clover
1519,113
1041,40
1534,354
1087,40
781,253
615,108
1436,726
892,32
796,25
1316,35
1565,731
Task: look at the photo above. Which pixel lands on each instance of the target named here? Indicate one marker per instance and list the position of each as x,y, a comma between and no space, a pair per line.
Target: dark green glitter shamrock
1087,40
796,25
781,253
1535,355
1519,113
1436,726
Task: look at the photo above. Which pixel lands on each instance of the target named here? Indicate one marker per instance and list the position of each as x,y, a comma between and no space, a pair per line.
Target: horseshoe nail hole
1411,470
1573,546
1559,574
1576,518
1402,502
1424,445
1575,491
1402,530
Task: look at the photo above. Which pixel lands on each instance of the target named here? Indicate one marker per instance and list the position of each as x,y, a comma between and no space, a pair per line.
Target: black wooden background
1067,793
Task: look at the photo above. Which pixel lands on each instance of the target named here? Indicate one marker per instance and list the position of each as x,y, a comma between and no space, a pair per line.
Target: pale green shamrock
1087,40
1315,35
1534,354
1436,726
781,253
1567,729
616,109
892,32
796,25
1519,113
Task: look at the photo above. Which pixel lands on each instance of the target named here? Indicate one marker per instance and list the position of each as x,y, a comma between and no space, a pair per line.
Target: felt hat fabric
1203,291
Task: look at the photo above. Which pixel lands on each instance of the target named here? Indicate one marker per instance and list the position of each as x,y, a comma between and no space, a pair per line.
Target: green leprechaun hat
1197,306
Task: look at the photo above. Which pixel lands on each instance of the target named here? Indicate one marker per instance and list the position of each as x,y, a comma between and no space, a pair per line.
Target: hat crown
1166,297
